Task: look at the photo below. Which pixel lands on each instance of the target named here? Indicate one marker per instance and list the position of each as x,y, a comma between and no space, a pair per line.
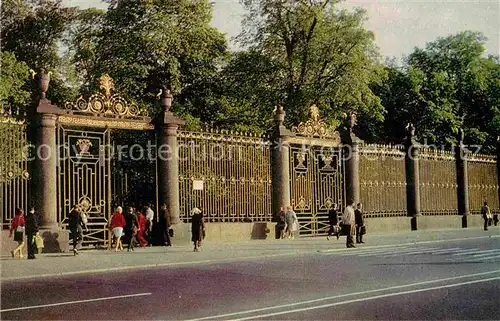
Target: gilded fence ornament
315,126
108,104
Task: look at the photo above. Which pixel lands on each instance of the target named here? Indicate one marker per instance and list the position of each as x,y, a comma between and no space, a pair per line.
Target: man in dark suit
31,224
360,222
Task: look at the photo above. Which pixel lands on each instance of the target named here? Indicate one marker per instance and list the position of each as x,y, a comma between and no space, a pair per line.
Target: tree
32,31
144,45
446,86
12,79
317,55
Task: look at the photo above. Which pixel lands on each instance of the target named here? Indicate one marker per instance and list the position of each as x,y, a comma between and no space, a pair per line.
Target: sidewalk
98,261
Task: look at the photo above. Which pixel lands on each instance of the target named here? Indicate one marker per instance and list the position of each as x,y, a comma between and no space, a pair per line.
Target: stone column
44,185
45,182
412,177
168,158
462,180
351,158
280,163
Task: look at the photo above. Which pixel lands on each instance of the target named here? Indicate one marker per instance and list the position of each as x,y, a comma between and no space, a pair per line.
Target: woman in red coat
116,225
142,229
17,226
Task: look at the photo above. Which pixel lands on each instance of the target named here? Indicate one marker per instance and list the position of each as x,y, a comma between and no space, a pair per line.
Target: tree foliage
12,79
446,86
311,53
144,45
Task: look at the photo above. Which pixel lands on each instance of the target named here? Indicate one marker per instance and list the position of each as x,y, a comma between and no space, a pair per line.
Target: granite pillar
462,180
168,158
412,177
280,163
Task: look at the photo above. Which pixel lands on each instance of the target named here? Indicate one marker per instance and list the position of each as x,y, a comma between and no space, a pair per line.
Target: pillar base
464,221
413,223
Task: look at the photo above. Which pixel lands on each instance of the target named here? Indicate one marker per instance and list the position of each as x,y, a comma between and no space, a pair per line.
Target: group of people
136,227
287,223
24,224
353,223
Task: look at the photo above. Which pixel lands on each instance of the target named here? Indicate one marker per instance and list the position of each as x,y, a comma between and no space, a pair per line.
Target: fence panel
438,182
14,175
483,183
383,180
236,175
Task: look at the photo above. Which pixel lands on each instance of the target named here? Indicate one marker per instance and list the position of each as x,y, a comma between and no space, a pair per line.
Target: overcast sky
399,25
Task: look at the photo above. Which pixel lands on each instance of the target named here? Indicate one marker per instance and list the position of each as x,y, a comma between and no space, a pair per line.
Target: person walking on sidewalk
31,230
149,223
76,225
132,228
292,223
360,223
141,233
485,211
333,221
197,228
349,222
116,225
165,223
17,227
280,223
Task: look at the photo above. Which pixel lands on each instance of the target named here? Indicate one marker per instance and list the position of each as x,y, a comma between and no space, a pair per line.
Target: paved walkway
99,261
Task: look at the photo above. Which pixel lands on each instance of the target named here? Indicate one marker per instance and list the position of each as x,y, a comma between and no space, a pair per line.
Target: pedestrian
333,221
18,228
149,223
281,222
141,233
165,223
197,228
291,222
31,231
349,222
76,225
485,211
360,223
116,225
132,228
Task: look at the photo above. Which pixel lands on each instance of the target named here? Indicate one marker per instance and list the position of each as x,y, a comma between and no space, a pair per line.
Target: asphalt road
450,280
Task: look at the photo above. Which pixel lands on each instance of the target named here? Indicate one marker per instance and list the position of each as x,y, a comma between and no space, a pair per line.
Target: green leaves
318,55
12,79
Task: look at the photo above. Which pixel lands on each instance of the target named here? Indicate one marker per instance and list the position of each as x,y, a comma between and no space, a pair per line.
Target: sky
399,25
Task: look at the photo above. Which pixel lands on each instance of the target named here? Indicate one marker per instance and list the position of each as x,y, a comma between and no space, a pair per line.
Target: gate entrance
316,172
86,155
85,178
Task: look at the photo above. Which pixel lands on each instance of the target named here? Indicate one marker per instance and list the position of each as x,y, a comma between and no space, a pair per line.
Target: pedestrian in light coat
292,223
349,222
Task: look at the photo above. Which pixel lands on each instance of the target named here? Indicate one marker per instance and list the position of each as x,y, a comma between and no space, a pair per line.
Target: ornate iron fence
382,180
227,175
438,182
483,184
14,175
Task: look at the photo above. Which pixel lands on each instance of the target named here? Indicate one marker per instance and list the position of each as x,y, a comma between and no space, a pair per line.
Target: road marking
346,295
401,252
370,251
367,299
76,302
490,257
487,254
474,252
147,266
427,251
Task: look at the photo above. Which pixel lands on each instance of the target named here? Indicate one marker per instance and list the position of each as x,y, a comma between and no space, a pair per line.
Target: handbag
20,229
363,230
